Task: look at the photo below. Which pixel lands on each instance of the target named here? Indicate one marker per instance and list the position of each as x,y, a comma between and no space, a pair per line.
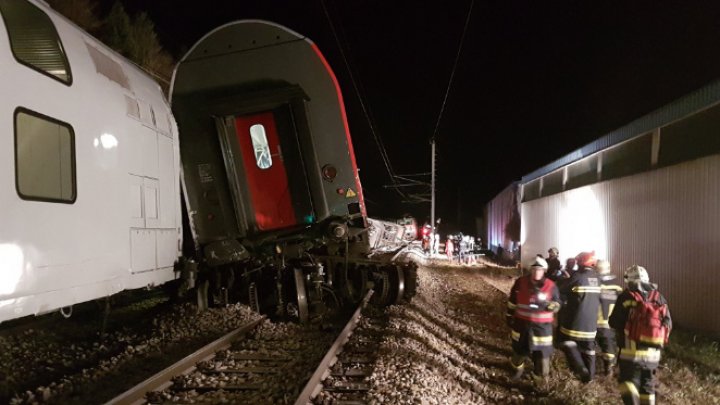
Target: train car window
263,158
34,39
44,158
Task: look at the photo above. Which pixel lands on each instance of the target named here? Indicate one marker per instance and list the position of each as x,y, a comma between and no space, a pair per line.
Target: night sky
535,79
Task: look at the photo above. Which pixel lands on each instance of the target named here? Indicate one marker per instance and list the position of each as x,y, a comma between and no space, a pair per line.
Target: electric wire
452,73
378,140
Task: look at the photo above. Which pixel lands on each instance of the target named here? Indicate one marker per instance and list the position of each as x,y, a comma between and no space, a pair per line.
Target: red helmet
586,259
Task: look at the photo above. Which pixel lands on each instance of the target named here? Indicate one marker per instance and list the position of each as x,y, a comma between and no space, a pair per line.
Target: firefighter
554,266
580,296
609,291
534,299
640,344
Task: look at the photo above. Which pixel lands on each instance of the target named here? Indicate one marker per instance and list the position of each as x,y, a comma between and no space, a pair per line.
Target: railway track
342,376
250,365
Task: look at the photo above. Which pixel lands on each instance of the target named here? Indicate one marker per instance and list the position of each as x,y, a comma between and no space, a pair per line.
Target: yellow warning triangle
350,193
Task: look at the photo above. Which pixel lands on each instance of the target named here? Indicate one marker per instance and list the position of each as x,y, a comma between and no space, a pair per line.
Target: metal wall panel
503,219
667,220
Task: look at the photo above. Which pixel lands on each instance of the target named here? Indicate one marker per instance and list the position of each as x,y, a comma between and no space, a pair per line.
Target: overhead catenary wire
452,72
377,138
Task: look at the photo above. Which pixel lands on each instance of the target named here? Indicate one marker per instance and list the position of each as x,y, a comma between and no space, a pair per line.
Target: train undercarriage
308,288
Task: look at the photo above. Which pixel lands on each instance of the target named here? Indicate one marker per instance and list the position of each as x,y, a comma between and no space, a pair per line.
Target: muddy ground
451,346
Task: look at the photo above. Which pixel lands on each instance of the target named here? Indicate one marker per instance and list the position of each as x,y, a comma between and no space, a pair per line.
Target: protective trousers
541,364
637,383
605,339
580,356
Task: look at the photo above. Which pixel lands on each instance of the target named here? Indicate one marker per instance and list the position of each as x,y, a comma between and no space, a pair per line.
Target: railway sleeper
353,372
348,386
244,370
228,387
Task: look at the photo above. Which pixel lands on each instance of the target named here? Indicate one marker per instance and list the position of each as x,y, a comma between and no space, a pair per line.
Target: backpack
645,323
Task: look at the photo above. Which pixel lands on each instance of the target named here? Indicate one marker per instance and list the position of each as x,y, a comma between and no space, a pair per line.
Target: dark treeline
132,36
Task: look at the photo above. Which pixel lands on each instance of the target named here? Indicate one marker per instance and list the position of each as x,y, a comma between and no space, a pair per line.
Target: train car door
266,171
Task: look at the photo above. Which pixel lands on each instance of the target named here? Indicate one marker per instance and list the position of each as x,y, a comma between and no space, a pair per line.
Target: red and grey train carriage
269,172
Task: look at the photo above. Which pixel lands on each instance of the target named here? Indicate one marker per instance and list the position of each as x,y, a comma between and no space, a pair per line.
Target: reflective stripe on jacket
609,291
529,300
581,302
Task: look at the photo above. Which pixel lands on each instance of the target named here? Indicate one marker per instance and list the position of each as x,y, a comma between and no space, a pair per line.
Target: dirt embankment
451,346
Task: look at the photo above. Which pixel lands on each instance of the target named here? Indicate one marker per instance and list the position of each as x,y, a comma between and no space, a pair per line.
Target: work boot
609,367
541,365
585,376
518,364
588,359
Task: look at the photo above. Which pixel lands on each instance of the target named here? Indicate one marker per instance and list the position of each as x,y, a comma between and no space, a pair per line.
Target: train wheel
352,282
202,295
410,273
382,286
396,278
302,301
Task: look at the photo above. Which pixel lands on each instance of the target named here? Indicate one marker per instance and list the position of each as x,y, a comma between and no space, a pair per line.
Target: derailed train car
272,189
93,203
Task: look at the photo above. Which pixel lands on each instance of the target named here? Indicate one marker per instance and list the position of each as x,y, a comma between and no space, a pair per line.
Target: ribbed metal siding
500,212
667,220
693,102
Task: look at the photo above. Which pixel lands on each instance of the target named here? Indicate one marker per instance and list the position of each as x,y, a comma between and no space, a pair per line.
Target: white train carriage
89,168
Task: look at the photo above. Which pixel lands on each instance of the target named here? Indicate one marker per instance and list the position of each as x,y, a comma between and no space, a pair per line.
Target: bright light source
108,141
582,223
11,267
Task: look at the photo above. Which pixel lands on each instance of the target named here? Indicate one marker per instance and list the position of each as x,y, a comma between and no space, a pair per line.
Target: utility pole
432,187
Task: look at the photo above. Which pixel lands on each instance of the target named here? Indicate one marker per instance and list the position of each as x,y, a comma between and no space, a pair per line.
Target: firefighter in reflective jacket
580,296
639,356
534,299
609,291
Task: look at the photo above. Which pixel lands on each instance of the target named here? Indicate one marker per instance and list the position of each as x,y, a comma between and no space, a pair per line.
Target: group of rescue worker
594,313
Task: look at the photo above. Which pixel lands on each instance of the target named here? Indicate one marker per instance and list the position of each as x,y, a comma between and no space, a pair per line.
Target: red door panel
265,171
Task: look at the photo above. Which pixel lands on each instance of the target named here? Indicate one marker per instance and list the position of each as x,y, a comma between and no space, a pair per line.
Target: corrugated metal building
502,215
648,194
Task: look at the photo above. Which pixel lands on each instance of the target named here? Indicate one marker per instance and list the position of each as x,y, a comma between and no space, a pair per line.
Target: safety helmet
603,266
539,262
586,259
553,251
635,273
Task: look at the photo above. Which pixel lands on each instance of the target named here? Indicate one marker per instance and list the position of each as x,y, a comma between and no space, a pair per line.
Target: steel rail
162,380
314,385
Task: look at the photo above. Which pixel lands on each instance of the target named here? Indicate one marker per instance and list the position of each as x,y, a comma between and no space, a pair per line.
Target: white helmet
603,267
539,262
635,274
